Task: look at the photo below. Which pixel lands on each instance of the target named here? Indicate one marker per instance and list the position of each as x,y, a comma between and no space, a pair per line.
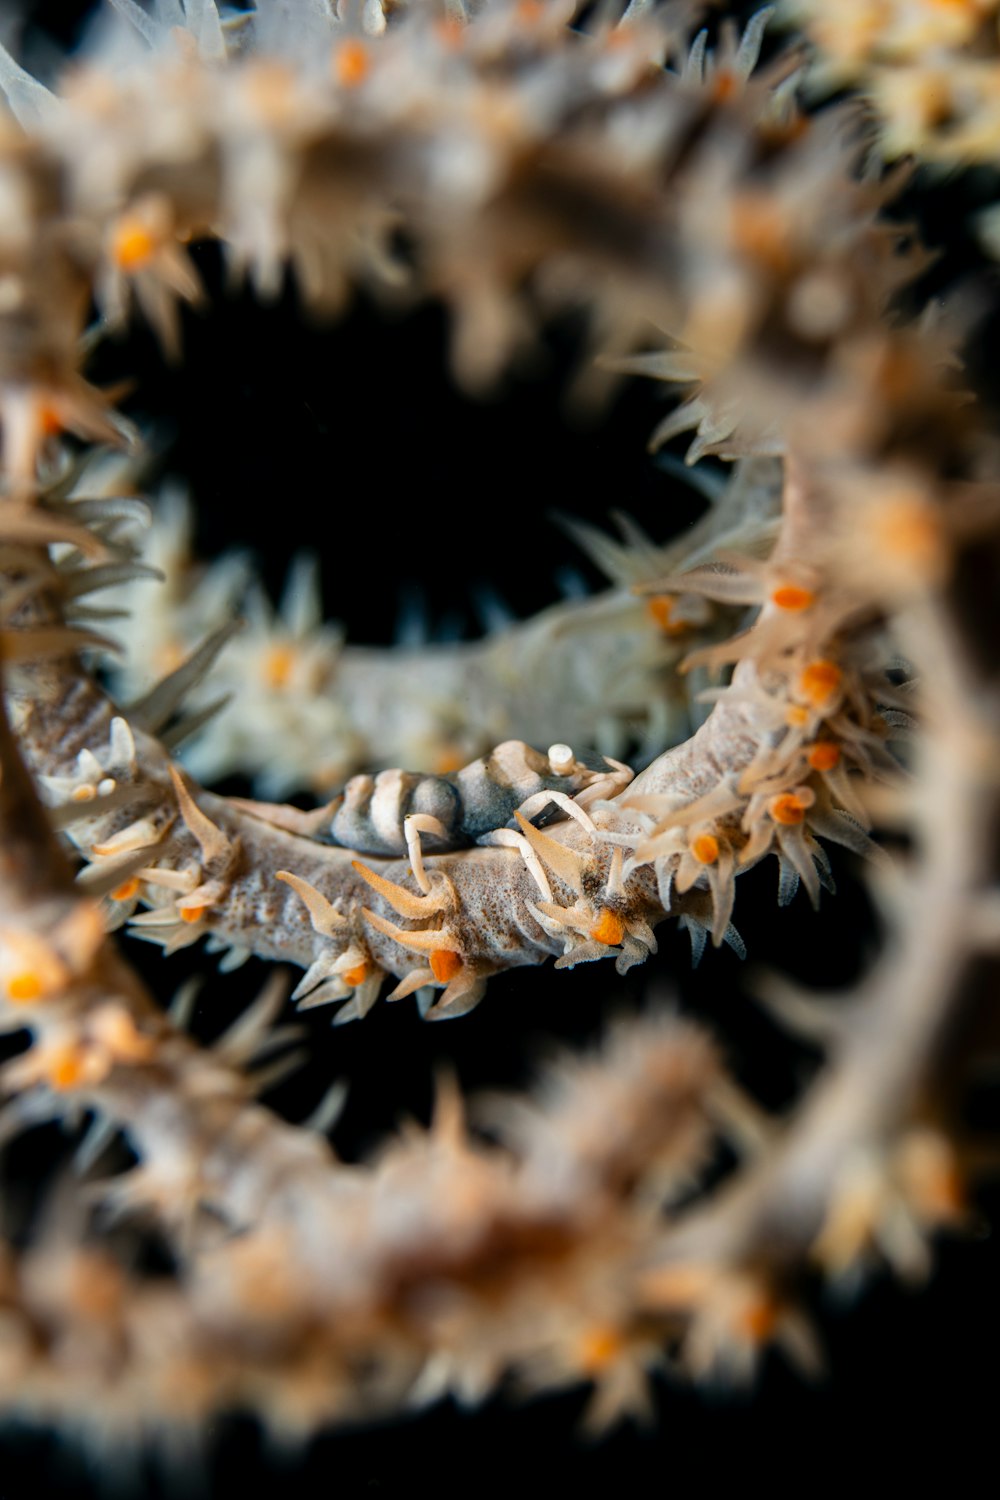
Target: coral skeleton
810,665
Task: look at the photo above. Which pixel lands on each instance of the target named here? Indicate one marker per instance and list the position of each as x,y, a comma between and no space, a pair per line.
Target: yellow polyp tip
796,715
356,976
609,929
84,794
819,681
705,848
824,755
598,1348
790,596
351,63
445,964
126,890
277,666
23,988
787,809
132,245
191,913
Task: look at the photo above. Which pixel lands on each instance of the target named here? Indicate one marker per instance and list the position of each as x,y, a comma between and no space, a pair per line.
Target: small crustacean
390,813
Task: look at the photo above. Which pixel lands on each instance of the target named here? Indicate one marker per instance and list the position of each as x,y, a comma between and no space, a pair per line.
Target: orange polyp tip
796,715
819,681
445,964
168,657
910,530
49,419
598,1348
65,1070
529,11
449,31
788,809
132,245
723,85
941,1194
705,848
661,611
610,929
759,230
126,890
757,1320
792,597
278,663
357,975
23,988
192,913
448,760
824,755
351,63
84,794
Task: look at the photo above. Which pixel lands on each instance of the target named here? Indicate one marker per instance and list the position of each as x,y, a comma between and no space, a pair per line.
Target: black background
351,439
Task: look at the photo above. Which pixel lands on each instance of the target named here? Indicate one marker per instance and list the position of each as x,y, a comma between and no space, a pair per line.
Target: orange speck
132,245
23,988
705,848
942,1194
168,657
819,681
598,1348
824,755
270,86
84,794
358,974
449,31
724,86
448,759
192,913
610,929
529,11
49,419
759,231
278,664
796,715
126,890
445,964
788,808
65,1069
758,1318
908,528
661,611
792,596
351,63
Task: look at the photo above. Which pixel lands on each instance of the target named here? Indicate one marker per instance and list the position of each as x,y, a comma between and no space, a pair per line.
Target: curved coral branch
524,164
